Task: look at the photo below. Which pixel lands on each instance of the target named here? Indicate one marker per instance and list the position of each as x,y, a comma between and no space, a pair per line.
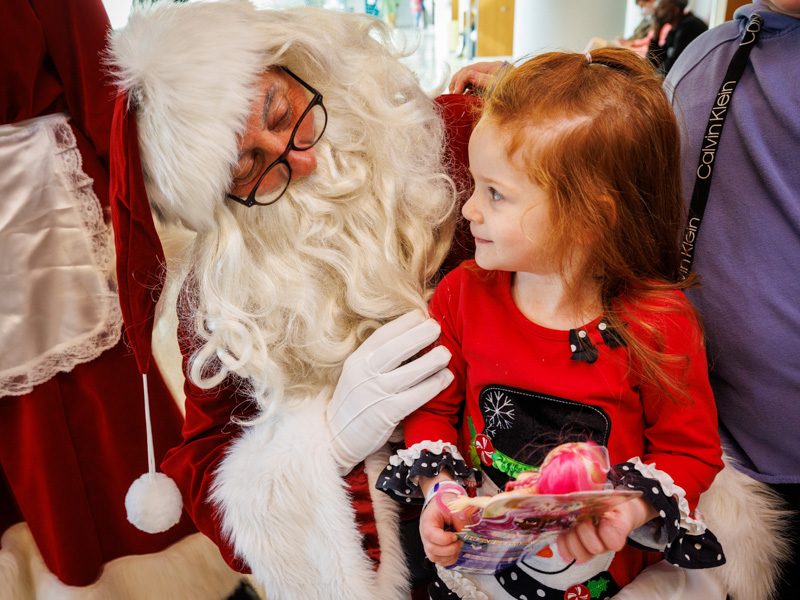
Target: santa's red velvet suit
72,430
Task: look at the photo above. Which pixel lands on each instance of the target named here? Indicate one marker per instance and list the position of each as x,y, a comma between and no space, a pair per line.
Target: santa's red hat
186,74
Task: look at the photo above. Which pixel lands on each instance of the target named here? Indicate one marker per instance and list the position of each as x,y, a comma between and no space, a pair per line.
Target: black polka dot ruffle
399,481
695,551
626,476
682,549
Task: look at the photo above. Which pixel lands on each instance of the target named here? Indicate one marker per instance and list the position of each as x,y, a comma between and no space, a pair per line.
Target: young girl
570,325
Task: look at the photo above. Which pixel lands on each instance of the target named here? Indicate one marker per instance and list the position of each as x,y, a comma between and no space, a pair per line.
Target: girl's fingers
613,534
589,539
442,555
441,547
438,536
567,546
571,548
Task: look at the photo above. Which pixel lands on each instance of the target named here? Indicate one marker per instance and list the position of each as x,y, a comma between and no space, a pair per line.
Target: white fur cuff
289,516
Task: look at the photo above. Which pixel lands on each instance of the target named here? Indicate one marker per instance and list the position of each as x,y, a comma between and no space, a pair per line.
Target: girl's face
508,214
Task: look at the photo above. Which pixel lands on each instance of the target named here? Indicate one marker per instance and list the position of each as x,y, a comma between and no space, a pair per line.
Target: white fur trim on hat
189,69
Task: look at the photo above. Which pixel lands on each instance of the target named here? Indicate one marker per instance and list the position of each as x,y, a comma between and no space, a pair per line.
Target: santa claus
309,165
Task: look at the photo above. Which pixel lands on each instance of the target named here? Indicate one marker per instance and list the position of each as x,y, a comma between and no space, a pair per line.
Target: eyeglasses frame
316,100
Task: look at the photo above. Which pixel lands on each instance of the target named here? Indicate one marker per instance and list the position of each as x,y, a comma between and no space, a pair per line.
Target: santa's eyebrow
268,105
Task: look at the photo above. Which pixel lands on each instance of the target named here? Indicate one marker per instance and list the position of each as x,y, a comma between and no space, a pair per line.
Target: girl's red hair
601,138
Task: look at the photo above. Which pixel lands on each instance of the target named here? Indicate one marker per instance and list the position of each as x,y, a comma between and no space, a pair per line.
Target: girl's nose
470,210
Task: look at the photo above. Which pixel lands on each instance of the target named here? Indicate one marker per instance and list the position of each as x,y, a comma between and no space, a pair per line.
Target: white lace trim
100,235
693,526
410,455
64,357
461,585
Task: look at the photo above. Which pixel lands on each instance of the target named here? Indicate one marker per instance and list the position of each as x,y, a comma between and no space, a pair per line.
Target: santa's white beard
286,292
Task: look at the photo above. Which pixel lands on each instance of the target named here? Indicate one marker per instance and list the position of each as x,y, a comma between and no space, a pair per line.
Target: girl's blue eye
494,194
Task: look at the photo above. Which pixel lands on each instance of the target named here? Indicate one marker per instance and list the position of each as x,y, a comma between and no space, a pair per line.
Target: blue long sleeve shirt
748,247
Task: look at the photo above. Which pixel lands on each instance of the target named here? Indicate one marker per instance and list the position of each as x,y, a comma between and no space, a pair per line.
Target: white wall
546,25
701,8
633,17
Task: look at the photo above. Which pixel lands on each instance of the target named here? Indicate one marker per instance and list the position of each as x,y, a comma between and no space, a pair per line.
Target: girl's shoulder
666,312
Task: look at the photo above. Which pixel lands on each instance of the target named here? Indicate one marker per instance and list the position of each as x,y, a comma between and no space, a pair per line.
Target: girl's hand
441,546
436,524
480,75
586,539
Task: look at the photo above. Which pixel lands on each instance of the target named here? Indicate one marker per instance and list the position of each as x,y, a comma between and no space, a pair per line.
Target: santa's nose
302,162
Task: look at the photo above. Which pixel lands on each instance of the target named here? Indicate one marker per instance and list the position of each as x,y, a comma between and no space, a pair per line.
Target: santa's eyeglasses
274,181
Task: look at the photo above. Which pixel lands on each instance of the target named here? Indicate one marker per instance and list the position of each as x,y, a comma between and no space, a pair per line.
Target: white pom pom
153,503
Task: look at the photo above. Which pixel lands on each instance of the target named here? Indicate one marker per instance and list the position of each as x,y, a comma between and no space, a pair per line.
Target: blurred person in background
681,26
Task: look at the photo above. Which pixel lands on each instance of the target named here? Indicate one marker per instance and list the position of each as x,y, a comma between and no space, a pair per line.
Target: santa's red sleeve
207,432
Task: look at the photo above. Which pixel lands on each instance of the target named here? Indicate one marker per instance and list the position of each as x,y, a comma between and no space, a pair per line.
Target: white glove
374,392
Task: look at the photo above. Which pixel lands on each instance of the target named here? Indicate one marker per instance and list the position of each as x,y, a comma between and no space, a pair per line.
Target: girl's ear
607,208
605,217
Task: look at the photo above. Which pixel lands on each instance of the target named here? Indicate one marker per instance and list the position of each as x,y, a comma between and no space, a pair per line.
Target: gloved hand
374,392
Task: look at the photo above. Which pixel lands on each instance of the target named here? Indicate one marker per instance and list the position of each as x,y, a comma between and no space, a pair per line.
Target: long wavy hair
601,138
281,295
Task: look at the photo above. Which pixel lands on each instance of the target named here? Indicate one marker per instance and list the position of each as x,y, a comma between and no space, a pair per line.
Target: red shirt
518,385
